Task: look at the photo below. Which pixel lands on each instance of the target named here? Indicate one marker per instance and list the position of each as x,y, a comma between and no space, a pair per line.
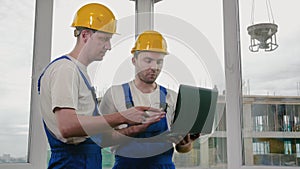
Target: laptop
195,110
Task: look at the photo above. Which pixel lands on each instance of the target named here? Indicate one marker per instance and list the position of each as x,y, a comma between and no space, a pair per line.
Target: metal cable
269,8
252,12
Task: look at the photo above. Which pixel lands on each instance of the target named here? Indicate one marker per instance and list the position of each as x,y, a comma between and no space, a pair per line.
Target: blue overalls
128,155
85,155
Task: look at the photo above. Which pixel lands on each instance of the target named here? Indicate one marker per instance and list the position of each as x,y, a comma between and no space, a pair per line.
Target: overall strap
128,96
39,81
163,95
92,89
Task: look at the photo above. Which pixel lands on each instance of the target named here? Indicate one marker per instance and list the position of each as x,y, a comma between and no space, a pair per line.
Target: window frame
37,147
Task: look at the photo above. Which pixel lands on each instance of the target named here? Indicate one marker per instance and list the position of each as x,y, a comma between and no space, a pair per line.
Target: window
22,141
261,147
298,150
271,92
16,46
288,147
198,51
196,45
260,122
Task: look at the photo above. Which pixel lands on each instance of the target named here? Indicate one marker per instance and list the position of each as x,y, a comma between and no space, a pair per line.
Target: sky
276,72
15,69
195,39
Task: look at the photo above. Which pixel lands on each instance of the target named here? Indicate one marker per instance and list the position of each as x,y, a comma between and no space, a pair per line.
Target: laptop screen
195,110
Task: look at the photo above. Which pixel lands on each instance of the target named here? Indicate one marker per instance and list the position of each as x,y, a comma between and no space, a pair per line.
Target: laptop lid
195,110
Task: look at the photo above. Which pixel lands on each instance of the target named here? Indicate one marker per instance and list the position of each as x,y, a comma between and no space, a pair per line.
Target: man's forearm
72,125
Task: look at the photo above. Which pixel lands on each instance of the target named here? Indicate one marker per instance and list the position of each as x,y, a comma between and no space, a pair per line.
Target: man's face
148,66
99,43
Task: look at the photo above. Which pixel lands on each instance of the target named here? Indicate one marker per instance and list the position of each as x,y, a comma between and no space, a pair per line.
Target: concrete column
248,144
233,77
144,15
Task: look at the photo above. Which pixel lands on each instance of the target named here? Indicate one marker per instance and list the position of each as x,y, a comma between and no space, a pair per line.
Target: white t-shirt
62,86
114,100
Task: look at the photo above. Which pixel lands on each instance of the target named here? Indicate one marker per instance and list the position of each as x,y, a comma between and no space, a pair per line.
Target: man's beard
146,80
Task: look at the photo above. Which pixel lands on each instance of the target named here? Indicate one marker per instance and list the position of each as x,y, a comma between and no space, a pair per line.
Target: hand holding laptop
181,139
185,144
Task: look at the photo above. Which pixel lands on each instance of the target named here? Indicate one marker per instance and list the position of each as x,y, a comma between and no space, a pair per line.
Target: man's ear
85,35
133,60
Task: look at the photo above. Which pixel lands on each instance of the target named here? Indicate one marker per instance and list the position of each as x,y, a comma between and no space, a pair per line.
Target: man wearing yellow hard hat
67,99
145,150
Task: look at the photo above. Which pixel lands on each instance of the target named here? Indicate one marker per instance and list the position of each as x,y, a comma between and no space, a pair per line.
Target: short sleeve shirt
63,87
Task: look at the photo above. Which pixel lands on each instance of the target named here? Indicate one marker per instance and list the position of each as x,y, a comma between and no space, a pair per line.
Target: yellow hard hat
150,41
95,16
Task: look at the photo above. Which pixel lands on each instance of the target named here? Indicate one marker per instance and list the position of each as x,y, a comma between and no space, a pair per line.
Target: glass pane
16,46
191,35
204,67
270,68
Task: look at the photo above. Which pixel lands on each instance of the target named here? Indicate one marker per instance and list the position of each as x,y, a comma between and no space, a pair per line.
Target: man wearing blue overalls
145,150
68,103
